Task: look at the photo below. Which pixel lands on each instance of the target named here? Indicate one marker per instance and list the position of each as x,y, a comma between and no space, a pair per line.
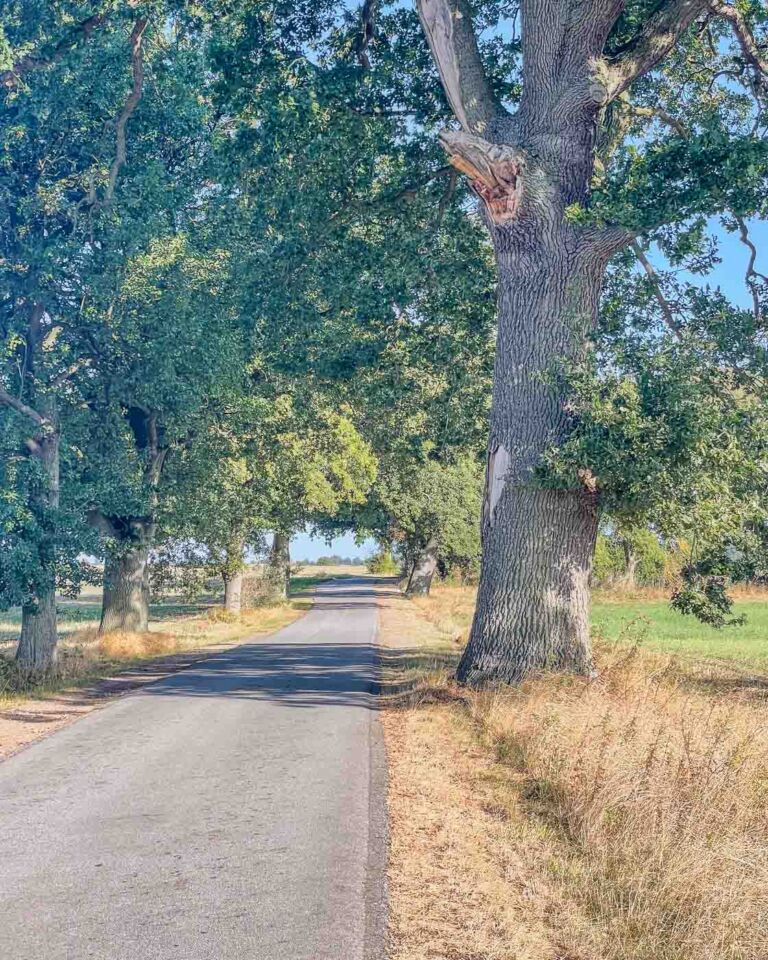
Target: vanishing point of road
232,810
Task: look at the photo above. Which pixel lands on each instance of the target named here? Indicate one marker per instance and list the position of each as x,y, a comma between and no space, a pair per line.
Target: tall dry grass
653,785
646,790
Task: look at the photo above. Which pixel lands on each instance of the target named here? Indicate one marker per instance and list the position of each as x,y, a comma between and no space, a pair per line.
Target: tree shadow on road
297,675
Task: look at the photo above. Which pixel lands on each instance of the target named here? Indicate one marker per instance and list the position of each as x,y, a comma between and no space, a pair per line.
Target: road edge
376,894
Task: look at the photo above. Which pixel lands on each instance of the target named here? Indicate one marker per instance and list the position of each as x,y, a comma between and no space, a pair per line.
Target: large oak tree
567,180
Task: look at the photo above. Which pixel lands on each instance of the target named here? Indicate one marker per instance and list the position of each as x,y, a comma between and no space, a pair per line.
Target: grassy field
654,624
309,576
622,818
646,620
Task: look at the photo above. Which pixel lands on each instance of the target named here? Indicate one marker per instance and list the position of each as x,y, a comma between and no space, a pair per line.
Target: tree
276,462
632,556
156,385
63,155
564,188
434,515
104,151
363,272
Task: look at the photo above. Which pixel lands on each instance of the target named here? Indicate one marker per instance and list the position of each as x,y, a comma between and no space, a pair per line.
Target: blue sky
729,274
305,547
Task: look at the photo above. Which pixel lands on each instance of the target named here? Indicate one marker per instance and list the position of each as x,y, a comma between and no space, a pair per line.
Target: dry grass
620,819
122,645
86,656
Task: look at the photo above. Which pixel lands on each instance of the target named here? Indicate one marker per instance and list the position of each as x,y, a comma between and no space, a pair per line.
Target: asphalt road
233,810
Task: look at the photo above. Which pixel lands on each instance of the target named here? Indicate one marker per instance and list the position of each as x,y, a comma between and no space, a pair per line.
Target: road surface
233,810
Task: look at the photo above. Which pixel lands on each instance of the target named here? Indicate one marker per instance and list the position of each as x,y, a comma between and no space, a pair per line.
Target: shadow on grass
722,679
414,677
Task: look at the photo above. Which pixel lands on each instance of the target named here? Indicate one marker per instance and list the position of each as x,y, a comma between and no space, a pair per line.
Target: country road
233,810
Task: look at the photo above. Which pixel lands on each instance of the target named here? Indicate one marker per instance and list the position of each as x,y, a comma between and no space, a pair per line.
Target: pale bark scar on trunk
437,19
495,171
498,467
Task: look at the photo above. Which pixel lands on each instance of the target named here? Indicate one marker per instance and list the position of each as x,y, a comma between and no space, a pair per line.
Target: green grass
300,584
656,626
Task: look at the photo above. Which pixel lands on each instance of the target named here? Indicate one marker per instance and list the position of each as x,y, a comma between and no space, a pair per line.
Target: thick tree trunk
37,649
423,571
233,590
538,543
36,652
630,565
232,575
278,571
126,589
533,170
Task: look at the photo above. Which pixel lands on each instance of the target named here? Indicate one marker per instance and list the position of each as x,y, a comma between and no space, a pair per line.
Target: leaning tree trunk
538,543
38,643
126,589
423,570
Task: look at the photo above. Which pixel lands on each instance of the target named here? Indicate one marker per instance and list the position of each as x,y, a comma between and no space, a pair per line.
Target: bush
382,563
332,561
655,563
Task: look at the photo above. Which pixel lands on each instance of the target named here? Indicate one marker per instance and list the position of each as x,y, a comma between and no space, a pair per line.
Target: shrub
382,563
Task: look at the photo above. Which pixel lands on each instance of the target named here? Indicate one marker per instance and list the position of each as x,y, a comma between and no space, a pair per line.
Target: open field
180,617
616,819
642,617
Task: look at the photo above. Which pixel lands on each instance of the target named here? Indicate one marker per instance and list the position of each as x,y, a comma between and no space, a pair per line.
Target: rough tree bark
126,582
232,575
528,168
278,572
37,649
630,565
125,605
233,591
423,570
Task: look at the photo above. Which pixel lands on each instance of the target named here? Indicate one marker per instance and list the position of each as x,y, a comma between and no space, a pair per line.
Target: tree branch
652,43
60,379
83,30
650,272
10,401
137,63
662,115
367,32
451,36
102,523
751,276
744,35
129,107
494,170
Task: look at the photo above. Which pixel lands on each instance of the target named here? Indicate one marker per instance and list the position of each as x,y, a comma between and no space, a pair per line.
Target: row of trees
243,291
